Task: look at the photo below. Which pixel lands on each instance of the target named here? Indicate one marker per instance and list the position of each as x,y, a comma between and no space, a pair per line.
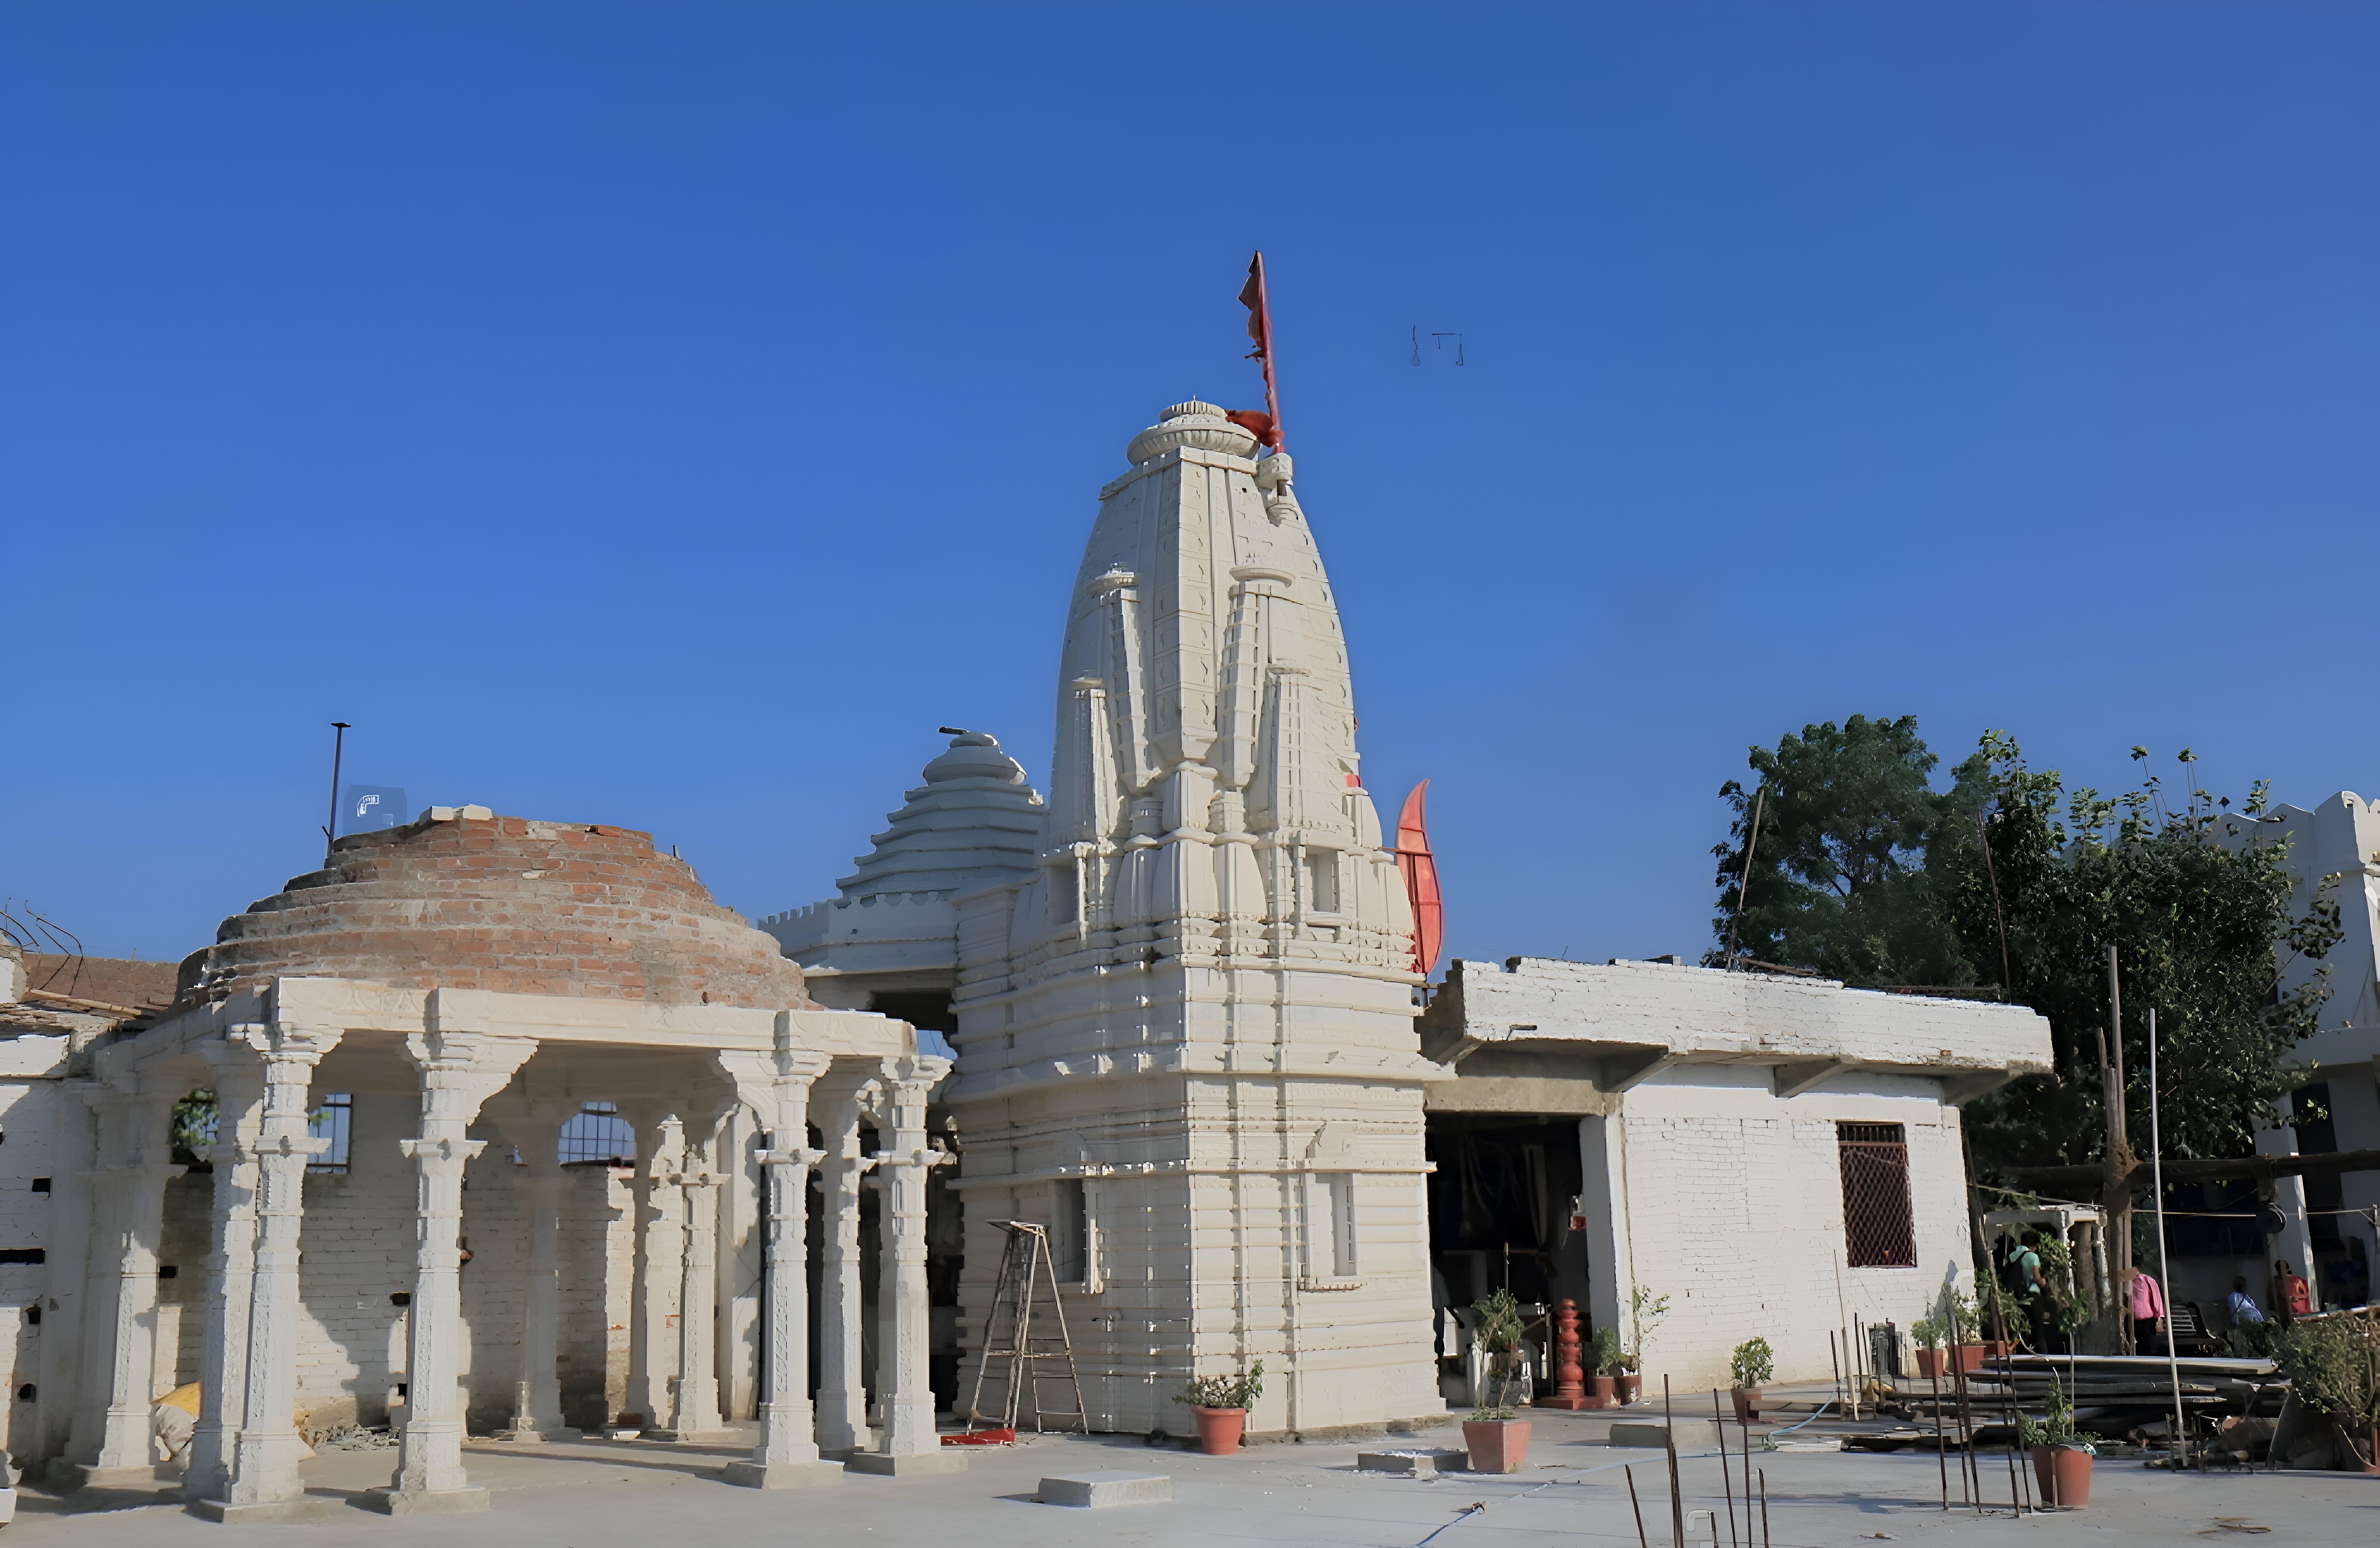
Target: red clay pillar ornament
1570,1377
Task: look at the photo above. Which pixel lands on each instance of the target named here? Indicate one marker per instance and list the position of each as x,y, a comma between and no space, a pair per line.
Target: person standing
2143,1301
2031,1294
2292,1297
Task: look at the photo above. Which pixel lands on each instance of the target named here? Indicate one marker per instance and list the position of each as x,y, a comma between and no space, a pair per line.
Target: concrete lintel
1798,1076
1544,1096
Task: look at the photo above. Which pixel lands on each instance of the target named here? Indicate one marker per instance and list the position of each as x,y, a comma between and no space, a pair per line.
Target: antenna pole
338,750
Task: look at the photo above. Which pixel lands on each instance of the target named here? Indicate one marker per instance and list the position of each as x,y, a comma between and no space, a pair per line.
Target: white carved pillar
661,1270
231,1265
134,1144
904,1337
264,1481
537,1386
694,1405
841,1402
777,1085
461,1066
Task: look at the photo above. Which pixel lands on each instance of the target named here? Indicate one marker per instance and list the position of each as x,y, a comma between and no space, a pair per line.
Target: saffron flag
1252,296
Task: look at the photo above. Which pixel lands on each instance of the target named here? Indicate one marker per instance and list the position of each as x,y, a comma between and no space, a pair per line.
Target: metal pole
1941,1452
1639,1509
1743,885
1764,1508
1726,1477
2165,1270
1670,1443
2118,1192
338,749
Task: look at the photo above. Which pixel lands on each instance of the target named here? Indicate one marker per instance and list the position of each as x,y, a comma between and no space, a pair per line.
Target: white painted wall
1734,1210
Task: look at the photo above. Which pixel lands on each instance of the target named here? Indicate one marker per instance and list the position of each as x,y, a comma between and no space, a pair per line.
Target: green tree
2009,882
1840,880
2204,931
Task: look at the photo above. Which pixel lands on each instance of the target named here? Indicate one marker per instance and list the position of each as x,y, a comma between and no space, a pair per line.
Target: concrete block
425,1502
1693,1434
1105,1486
311,1507
783,1475
1418,1464
944,1459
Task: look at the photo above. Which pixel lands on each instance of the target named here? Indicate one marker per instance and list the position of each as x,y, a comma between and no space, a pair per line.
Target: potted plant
1495,1433
1220,1405
1926,1334
2061,1457
2333,1364
1644,1308
1968,1317
1606,1367
1751,1363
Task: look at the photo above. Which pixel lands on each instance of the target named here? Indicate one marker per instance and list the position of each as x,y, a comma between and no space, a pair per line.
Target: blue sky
669,414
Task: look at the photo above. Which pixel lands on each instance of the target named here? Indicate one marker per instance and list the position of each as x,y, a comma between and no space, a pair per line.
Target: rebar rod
1633,1505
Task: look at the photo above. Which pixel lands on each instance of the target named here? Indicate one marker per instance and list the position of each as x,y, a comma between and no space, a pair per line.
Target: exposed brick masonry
506,904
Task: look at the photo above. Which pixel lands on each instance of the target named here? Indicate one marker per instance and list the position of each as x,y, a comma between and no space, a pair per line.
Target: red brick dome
502,903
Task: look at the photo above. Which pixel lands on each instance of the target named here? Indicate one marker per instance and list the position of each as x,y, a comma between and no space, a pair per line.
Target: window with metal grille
1878,1222
331,1120
597,1136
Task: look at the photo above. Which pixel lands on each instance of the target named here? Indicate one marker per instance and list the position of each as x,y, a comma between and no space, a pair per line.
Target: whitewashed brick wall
1734,1210
28,1116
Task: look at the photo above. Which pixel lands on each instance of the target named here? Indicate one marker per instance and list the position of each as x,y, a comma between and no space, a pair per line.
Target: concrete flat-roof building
1778,1154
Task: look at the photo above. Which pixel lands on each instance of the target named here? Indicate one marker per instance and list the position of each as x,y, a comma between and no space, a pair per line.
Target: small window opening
1332,1226
597,1136
1322,880
41,1185
24,1255
330,1121
1879,1222
1069,1234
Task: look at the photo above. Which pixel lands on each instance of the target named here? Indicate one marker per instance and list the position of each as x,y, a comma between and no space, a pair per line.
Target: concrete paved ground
637,1496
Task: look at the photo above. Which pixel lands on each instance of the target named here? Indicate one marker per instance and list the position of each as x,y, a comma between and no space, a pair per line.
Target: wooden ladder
1026,1285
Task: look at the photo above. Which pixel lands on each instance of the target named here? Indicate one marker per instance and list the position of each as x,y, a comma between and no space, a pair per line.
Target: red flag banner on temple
1420,867
1252,295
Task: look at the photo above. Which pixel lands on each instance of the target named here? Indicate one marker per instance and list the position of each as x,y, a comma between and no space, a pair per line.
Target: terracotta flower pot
1630,1384
1970,1355
1602,1390
1747,1404
1218,1429
1496,1446
1997,1349
2064,1475
1930,1363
